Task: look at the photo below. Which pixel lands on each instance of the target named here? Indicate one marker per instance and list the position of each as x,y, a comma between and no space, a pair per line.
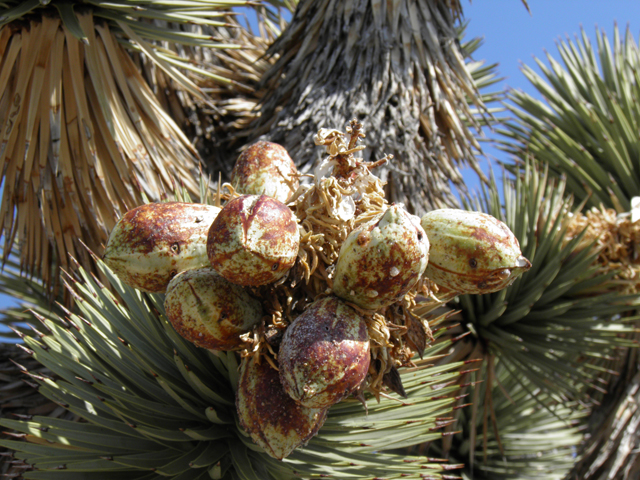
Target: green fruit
265,168
209,311
382,260
254,240
273,419
471,252
152,243
324,355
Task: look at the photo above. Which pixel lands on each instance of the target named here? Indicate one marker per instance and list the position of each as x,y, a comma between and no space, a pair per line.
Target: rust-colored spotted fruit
209,311
382,260
272,419
472,252
324,355
152,243
254,240
265,168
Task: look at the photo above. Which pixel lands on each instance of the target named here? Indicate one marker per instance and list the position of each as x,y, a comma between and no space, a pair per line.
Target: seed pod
265,168
324,355
209,311
382,260
271,417
254,240
152,243
472,252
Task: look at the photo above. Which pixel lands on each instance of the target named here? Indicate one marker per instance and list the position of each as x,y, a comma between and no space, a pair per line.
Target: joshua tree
108,90
583,133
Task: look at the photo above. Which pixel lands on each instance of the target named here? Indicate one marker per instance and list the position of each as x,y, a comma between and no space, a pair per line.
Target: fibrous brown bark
612,447
397,67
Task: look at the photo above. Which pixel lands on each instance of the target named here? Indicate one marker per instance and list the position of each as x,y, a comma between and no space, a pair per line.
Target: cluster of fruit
316,285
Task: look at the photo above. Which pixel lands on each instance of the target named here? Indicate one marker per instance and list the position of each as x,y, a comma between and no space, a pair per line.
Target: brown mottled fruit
265,168
254,240
472,252
152,243
324,355
271,417
382,260
209,311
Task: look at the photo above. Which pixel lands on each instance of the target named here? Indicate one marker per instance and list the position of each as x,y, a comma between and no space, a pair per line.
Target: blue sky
512,36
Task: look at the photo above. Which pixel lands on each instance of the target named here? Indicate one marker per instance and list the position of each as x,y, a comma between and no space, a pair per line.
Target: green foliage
585,134
153,405
28,295
554,324
546,341
511,437
140,16
587,128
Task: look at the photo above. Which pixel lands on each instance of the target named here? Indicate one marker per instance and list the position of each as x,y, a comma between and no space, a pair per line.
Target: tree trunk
397,67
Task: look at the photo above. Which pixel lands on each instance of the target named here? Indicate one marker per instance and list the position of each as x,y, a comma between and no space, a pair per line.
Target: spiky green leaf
156,406
549,325
586,127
